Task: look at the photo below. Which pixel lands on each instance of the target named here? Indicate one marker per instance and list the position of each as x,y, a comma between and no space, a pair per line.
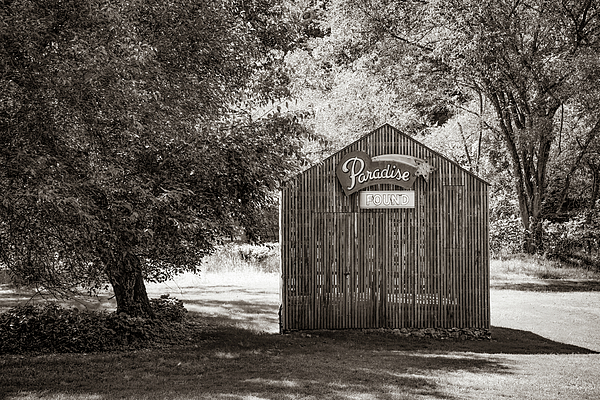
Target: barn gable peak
388,140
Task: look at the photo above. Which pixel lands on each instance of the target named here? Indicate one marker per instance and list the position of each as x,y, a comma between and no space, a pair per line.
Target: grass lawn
545,346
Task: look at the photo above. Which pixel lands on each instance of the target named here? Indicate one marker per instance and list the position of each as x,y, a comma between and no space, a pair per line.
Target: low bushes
52,328
257,253
575,242
168,309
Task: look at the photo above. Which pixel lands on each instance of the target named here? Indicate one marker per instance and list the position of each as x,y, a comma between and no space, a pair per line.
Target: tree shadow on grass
264,316
515,341
550,285
245,307
252,314
241,374
503,340
225,359
227,362
13,297
239,364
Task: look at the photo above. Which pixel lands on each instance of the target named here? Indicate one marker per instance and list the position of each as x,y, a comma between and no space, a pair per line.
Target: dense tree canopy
126,147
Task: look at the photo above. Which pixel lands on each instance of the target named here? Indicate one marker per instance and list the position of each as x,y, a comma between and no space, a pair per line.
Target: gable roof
396,131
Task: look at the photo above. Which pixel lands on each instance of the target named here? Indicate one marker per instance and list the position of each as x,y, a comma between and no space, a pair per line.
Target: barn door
360,271
360,264
389,263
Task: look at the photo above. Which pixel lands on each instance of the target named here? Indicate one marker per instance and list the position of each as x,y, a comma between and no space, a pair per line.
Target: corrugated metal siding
343,267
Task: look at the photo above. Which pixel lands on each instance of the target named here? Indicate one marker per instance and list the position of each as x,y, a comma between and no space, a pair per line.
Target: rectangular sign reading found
387,199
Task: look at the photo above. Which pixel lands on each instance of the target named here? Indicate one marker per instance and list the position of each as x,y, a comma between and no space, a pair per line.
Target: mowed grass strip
235,363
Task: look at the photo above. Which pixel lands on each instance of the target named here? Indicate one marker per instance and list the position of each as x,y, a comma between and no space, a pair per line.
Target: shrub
506,236
234,257
265,257
168,308
576,241
255,253
52,328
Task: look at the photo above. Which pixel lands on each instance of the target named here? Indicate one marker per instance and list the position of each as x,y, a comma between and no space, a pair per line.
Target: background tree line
508,89
135,135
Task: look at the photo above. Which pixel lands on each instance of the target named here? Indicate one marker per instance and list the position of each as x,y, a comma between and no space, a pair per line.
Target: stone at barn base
438,333
457,334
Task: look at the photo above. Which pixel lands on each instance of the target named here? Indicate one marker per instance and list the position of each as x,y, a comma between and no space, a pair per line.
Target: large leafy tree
527,58
124,147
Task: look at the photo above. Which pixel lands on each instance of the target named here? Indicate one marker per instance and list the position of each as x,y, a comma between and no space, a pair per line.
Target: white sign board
387,199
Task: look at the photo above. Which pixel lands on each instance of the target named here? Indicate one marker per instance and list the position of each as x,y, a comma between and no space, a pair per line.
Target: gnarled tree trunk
125,276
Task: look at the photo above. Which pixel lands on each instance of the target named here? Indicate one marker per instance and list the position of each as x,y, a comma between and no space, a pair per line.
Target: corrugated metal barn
386,233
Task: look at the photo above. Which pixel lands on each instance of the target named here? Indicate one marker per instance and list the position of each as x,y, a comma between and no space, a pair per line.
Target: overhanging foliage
125,147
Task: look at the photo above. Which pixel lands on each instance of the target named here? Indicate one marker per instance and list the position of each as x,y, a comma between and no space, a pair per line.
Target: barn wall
343,267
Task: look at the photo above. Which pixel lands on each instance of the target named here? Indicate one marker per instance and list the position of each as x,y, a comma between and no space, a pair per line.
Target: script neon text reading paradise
358,173
357,170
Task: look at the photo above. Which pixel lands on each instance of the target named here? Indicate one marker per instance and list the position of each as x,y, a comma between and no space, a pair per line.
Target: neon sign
358,170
